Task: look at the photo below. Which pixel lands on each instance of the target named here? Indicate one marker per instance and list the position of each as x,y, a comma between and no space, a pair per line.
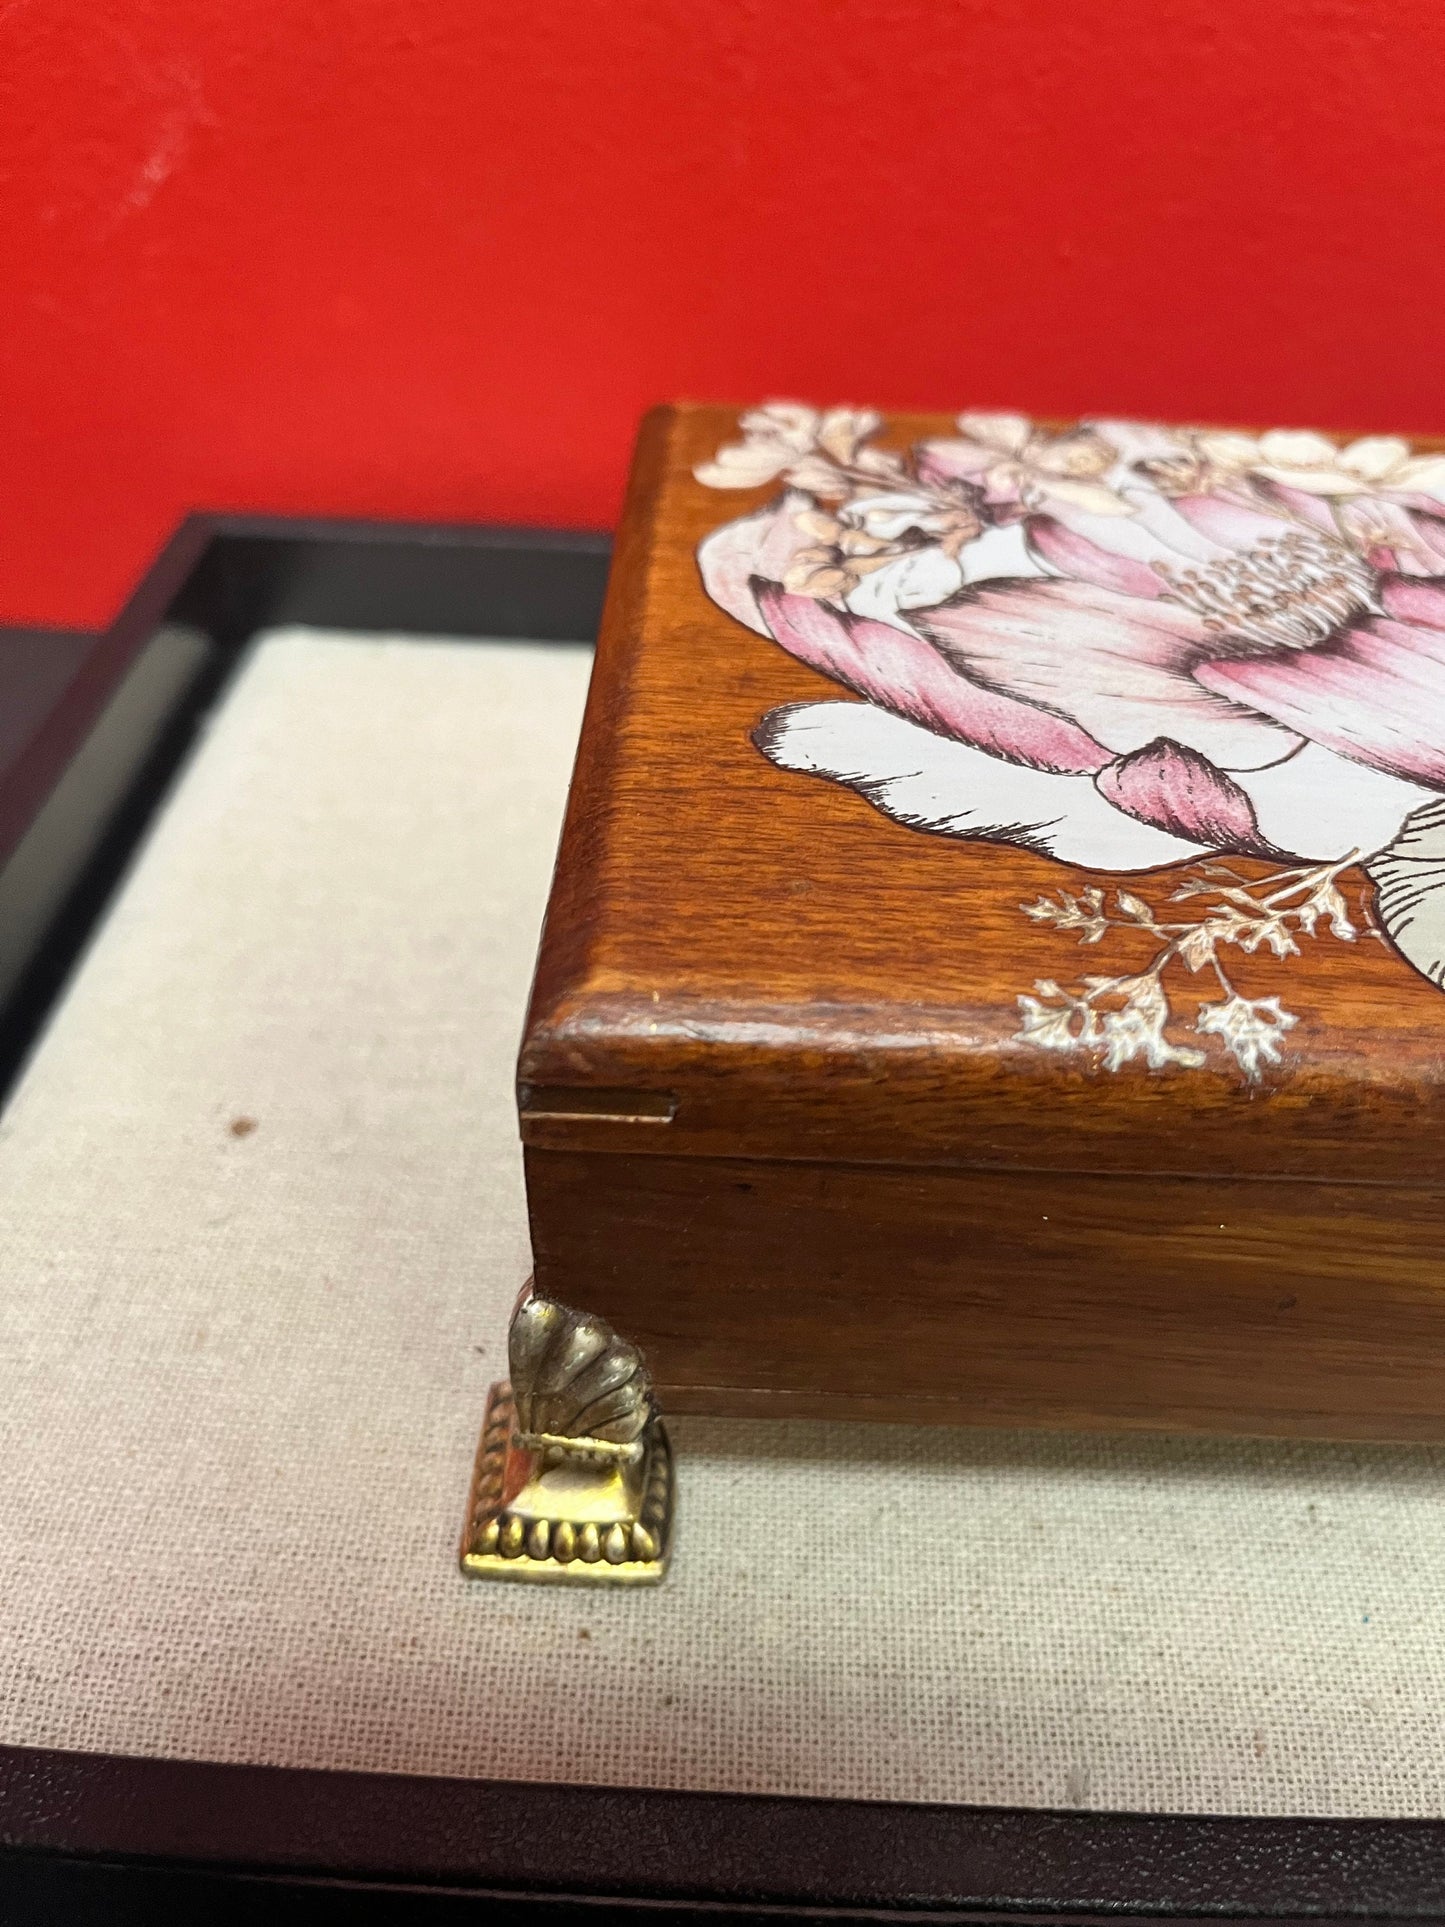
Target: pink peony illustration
1125,647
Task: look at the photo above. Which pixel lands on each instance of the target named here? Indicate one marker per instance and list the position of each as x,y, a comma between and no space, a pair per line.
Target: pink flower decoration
1158,644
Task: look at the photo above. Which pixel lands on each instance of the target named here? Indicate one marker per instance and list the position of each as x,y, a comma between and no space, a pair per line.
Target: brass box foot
552,1502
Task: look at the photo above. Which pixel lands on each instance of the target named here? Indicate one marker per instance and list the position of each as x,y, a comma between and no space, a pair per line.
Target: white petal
1003,551
1320,806
1133,443
743,465
1230,451
1409,879
792,421
1373,457
933,783
1087,498
1155,531
1312,481
1297,448
888,515
1425,475
1006,432
915,581
1138,441
841,430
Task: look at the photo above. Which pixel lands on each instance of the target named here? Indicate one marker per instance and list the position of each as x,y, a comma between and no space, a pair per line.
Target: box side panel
1272,1308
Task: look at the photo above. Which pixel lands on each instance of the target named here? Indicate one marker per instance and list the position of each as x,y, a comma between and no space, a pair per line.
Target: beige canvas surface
261,1223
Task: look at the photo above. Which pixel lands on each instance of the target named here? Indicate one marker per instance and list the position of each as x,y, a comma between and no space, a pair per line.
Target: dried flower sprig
1122,1018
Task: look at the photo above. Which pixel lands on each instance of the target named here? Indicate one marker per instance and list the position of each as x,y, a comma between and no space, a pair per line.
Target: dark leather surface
552,1840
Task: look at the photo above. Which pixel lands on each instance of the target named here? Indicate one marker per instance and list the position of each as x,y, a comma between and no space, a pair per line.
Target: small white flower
1196,946
811,448
1316,466
1327,902
1048,1027
1252,1030
1084,913
1014,462
1137,1030
774,437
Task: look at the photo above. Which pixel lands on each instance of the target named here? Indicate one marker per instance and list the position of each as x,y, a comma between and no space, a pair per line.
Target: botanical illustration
1129,648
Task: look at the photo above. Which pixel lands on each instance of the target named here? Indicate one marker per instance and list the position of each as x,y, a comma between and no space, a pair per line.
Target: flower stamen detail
1290,591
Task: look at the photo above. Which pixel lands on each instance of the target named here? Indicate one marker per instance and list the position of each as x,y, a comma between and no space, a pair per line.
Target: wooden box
993,972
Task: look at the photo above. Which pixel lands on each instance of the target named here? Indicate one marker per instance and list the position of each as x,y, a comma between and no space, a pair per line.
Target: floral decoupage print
1128,648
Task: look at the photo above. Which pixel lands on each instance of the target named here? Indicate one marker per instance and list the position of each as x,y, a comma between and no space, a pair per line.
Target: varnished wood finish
814,980
784,977
772,1287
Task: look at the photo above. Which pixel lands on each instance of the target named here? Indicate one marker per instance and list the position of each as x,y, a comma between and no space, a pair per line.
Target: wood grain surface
812,979
782,1288
746,966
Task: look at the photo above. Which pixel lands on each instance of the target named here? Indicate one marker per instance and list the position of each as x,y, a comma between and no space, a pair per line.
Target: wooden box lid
969,793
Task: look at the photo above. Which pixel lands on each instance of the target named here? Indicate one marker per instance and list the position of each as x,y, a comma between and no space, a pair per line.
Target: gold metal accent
552,1104
573,1482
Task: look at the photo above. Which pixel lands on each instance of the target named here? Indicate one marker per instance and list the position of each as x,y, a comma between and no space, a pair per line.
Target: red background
431,260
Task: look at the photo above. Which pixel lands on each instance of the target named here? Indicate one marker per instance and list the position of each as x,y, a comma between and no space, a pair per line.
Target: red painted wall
432,260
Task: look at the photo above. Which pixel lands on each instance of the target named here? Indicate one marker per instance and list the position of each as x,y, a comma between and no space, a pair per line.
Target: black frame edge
714,1850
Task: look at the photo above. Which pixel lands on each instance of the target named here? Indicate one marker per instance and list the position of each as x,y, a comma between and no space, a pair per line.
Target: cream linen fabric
244,1375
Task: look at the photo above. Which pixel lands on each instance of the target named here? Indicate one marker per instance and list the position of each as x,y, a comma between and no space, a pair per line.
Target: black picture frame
88,747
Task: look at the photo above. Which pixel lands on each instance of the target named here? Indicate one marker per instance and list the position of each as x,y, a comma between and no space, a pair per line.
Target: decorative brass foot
573,1481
